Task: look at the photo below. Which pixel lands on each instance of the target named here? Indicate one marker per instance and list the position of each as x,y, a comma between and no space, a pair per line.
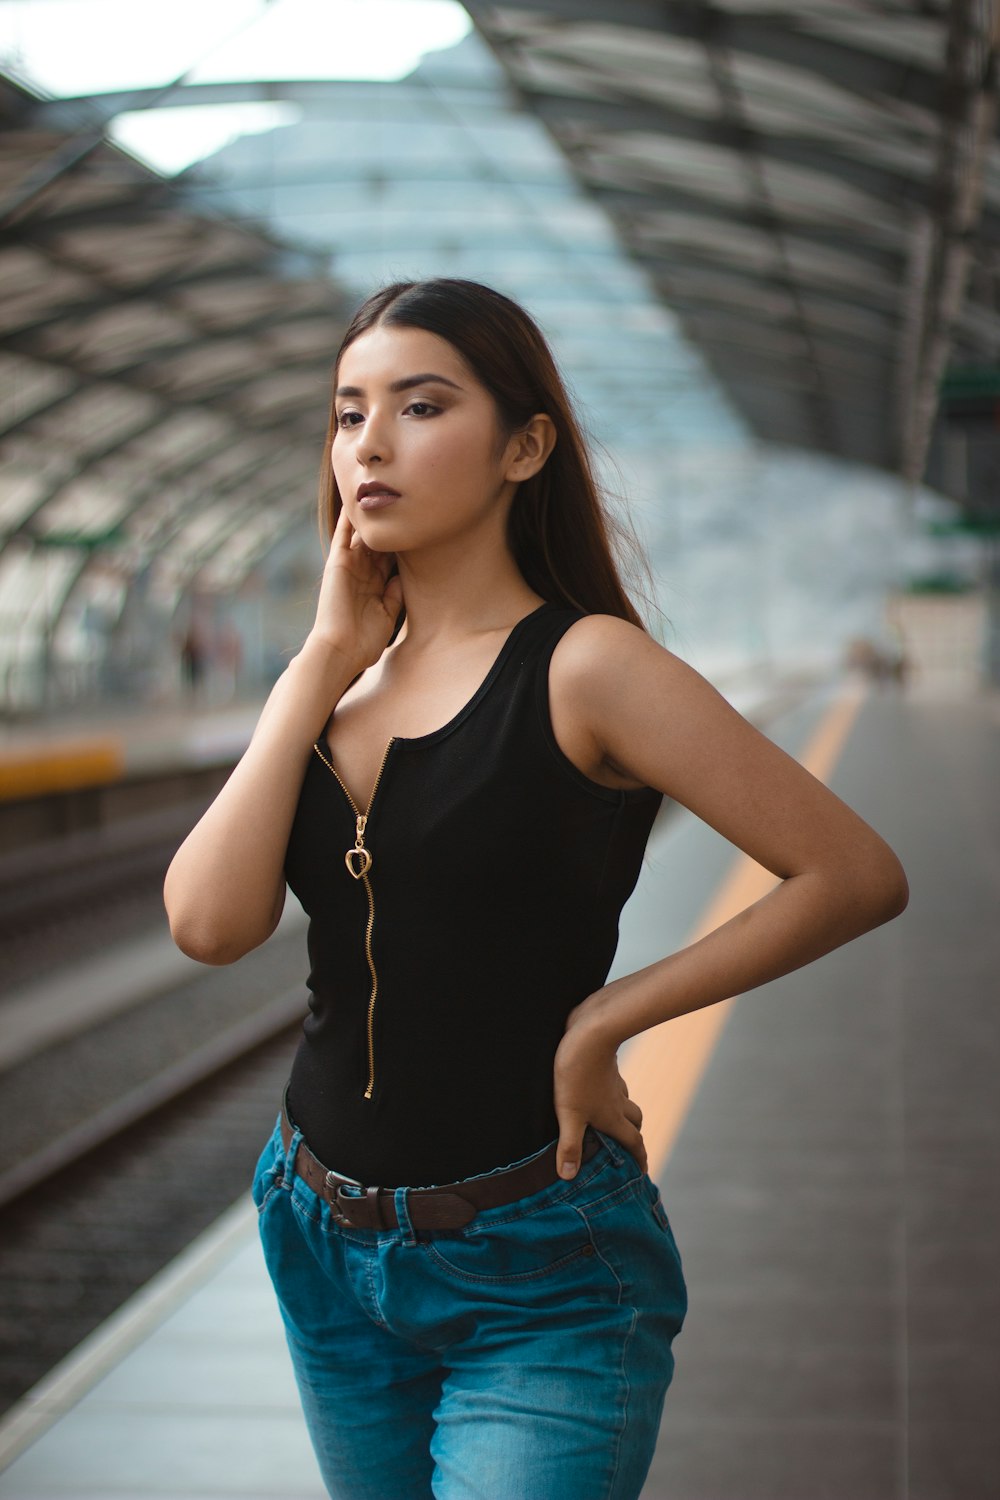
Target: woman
457,775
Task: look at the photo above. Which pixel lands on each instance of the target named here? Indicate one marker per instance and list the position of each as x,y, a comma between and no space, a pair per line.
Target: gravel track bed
48,1094
75,898
75,1249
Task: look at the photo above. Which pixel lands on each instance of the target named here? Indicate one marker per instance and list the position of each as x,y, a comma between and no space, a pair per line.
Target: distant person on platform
194,659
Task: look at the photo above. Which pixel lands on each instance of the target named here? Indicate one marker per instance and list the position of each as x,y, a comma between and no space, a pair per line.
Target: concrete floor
834,1191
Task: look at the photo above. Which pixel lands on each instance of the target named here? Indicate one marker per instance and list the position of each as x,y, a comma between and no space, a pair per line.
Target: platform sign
970,396
967,524
80,541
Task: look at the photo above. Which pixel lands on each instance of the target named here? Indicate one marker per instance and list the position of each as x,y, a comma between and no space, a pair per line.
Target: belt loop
399,1198
293,1144
608,1142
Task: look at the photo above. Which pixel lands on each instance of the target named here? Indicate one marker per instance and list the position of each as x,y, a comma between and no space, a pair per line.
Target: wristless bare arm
837,878
225,888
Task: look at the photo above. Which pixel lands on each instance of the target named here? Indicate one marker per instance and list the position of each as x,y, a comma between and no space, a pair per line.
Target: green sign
970,380
976,525
80,541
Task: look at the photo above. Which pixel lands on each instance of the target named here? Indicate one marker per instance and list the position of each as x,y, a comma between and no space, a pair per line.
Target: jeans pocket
660,1213
269,1172
519,1250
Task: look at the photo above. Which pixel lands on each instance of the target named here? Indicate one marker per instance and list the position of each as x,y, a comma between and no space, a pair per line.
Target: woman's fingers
640,1154
343,532
569,1147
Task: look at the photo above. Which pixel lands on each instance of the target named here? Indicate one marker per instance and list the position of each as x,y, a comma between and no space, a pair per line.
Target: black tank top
441,976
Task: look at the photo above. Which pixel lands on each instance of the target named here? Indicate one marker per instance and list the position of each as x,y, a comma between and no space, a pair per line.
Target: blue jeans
523,1357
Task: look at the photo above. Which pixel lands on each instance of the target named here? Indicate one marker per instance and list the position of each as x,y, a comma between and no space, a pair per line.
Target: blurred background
755,273
763,240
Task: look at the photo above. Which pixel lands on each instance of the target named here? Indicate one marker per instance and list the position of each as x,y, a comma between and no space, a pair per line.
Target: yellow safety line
34,772
663,1066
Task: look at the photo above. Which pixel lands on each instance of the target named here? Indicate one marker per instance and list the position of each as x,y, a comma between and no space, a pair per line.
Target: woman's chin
377,533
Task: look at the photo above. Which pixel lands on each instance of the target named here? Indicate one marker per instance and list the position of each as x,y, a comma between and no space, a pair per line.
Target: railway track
128,1133
83,1239
66,898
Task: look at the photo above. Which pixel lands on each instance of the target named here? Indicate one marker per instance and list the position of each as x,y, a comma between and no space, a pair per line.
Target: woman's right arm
225,888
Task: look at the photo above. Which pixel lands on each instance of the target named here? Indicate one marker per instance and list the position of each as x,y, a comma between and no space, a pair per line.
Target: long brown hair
562,534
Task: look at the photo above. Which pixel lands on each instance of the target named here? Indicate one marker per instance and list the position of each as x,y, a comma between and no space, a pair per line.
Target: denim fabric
523,1357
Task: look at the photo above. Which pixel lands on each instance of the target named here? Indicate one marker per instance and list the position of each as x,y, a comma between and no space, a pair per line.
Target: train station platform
64,776
87,774
53,755
827,1147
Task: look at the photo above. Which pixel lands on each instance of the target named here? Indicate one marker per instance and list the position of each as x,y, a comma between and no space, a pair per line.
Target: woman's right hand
358,602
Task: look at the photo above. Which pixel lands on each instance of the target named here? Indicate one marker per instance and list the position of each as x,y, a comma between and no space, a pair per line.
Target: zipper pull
359,851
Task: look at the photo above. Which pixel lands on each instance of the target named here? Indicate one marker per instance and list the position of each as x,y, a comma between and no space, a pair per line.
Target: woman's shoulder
592,665
599,642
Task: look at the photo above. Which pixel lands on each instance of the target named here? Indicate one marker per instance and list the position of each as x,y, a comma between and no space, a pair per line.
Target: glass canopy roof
166,342
813,186
729,218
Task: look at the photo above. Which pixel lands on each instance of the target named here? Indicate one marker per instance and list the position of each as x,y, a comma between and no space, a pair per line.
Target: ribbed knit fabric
498,875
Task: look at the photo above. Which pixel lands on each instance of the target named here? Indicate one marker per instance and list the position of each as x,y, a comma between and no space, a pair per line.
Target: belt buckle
333,1185
337,1199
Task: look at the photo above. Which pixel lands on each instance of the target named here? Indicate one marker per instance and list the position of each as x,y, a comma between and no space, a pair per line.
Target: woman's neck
447,604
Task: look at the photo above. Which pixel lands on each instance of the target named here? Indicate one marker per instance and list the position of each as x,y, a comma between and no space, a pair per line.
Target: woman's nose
373,443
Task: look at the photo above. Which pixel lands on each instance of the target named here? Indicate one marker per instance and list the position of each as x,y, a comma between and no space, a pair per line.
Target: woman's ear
529,448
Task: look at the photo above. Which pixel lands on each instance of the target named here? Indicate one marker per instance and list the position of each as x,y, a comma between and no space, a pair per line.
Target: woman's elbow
208,940
205,946
882,887
214,931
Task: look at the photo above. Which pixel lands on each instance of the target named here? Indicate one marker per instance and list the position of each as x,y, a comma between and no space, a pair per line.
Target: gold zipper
359,871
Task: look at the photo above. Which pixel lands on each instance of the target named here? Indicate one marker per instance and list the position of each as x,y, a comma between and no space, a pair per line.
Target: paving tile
201,1375
953,1460
774,1246
953,1345
792,1359
952,1220
104,1453
724,1460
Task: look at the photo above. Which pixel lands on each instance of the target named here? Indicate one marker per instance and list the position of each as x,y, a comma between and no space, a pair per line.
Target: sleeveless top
442,974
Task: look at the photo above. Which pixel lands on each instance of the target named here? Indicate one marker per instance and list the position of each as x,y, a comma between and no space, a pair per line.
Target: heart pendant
365,858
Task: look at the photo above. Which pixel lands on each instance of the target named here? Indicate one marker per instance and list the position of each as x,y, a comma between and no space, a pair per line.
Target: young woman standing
457,776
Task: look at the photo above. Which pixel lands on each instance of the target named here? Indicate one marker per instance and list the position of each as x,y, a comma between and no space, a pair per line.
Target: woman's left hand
589,1090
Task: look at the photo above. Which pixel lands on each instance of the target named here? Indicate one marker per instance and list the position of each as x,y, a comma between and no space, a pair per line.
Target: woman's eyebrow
402,385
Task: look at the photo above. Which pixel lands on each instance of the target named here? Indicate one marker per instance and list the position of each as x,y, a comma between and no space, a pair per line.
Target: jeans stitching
513,1278
305,1210
595,1208
597,1165
272,1191
625,1384
660,1215
621,1194
376,1312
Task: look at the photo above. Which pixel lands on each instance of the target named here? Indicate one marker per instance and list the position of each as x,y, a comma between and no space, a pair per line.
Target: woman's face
413,417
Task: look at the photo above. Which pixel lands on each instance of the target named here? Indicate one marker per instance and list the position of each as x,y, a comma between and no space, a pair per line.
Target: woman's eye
428,409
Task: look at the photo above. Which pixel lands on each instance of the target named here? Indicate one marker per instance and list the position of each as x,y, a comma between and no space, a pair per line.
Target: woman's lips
377,500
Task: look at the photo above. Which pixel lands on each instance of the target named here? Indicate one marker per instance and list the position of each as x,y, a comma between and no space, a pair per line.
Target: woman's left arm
657,719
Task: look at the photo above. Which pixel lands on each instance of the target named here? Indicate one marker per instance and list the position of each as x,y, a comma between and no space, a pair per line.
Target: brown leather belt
447,1207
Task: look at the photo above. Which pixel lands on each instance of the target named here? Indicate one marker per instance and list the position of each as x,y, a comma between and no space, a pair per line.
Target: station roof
809,188
164,371
165,353
813,186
